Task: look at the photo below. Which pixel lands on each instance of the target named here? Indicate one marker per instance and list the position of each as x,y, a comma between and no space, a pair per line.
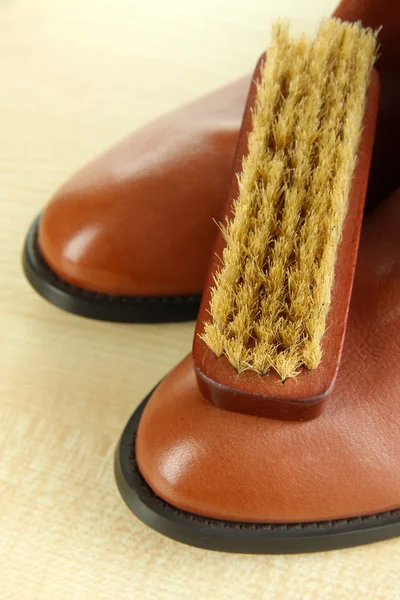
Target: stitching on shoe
97,296
246,526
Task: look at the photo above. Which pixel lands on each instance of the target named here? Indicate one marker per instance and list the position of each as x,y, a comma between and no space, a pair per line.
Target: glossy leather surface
139,219
345,463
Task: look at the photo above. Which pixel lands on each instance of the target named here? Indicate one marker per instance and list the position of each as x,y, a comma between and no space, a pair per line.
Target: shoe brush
273,316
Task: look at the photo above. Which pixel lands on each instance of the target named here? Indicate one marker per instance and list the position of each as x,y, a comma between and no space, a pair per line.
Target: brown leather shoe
129,237
224,480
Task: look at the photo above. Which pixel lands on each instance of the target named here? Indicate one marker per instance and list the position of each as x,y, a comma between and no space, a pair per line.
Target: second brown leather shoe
129,237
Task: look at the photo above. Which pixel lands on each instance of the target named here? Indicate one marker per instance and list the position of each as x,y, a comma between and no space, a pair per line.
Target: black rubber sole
229,536
104,307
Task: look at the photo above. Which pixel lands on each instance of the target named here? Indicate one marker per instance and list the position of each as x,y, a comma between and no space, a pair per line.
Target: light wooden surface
75,76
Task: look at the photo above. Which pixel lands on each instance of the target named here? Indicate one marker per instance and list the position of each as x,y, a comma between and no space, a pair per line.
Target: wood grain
70,74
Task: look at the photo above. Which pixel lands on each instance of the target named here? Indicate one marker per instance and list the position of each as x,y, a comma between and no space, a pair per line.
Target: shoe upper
139,220
345,463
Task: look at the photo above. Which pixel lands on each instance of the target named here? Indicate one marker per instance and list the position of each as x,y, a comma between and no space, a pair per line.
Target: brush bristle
272,293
